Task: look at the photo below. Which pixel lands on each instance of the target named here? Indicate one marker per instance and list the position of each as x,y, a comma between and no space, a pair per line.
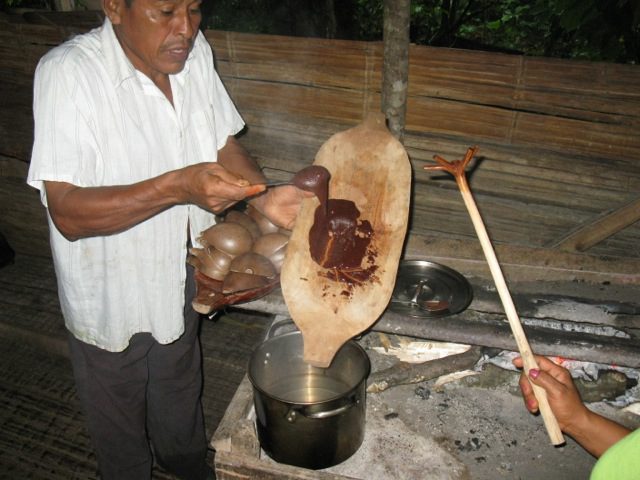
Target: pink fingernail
534,372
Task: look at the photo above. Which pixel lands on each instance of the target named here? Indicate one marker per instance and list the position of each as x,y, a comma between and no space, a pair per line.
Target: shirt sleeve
621,461
64,146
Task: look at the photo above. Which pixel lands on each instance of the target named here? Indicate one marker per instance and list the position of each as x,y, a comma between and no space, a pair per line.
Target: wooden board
371,168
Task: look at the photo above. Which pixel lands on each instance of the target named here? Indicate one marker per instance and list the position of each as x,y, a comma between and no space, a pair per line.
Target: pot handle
293,413
280,322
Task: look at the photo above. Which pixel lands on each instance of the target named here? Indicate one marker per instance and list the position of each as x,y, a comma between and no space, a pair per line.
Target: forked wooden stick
457,169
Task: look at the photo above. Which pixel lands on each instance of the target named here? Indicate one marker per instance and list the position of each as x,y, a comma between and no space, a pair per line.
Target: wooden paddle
371,168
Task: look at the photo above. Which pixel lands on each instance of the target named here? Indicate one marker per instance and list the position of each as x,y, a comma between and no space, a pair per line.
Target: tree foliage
607,30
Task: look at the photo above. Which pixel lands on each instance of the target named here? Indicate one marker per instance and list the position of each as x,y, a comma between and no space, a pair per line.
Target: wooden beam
491,331
601,228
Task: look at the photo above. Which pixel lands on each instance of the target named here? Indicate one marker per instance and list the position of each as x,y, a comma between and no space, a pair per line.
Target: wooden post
395,80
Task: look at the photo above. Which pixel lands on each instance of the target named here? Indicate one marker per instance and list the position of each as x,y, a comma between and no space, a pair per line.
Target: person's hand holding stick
457,169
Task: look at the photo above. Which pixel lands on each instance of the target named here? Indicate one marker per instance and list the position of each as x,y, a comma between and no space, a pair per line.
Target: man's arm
235,158
90,211
281,204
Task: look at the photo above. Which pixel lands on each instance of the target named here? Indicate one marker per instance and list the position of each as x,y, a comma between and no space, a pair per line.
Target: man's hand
281,205
213,187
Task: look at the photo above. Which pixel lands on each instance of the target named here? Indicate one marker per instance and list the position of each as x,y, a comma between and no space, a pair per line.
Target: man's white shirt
100,122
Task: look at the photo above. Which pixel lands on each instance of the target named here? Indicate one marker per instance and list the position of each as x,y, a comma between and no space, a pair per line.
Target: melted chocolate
338,239
314,179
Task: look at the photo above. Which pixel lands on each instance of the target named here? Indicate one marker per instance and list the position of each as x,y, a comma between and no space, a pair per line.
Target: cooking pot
308,416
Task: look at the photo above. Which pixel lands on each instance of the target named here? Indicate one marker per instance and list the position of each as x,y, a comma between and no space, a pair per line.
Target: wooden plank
525,264
601,228
451,117
230,466
491,331
586,90
229,436
479,78
313,102
594,90
577,136
369,167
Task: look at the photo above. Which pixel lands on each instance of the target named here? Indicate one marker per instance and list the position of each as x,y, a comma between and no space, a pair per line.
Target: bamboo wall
559,140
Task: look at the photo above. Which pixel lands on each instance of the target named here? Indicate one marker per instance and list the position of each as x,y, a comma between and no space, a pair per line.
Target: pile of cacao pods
240,255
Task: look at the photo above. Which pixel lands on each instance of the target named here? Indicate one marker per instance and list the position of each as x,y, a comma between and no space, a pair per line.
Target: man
133,151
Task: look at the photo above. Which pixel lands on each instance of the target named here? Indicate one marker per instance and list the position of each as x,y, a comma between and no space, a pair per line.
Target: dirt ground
473,428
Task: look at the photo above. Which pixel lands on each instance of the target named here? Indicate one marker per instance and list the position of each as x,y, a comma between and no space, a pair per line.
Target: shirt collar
118,64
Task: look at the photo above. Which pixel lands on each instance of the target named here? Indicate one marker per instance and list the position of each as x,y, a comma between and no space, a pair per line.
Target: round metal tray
428,290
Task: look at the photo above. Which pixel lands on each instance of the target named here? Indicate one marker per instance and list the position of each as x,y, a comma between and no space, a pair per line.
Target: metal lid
427,290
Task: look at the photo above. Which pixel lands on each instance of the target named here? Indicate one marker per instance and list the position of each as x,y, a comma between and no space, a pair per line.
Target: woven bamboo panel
572,107
559,140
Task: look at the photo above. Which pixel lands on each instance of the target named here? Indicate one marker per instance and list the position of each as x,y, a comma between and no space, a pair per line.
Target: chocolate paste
338,239
314,179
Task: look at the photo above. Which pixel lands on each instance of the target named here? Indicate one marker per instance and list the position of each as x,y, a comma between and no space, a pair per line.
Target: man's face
156,35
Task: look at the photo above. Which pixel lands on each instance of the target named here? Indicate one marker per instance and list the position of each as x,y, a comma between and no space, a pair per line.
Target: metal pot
307,416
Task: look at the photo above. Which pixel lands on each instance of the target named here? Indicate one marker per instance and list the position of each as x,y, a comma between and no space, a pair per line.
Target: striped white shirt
98,121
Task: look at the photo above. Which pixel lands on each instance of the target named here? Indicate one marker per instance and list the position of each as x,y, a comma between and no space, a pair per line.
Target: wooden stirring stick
457,169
